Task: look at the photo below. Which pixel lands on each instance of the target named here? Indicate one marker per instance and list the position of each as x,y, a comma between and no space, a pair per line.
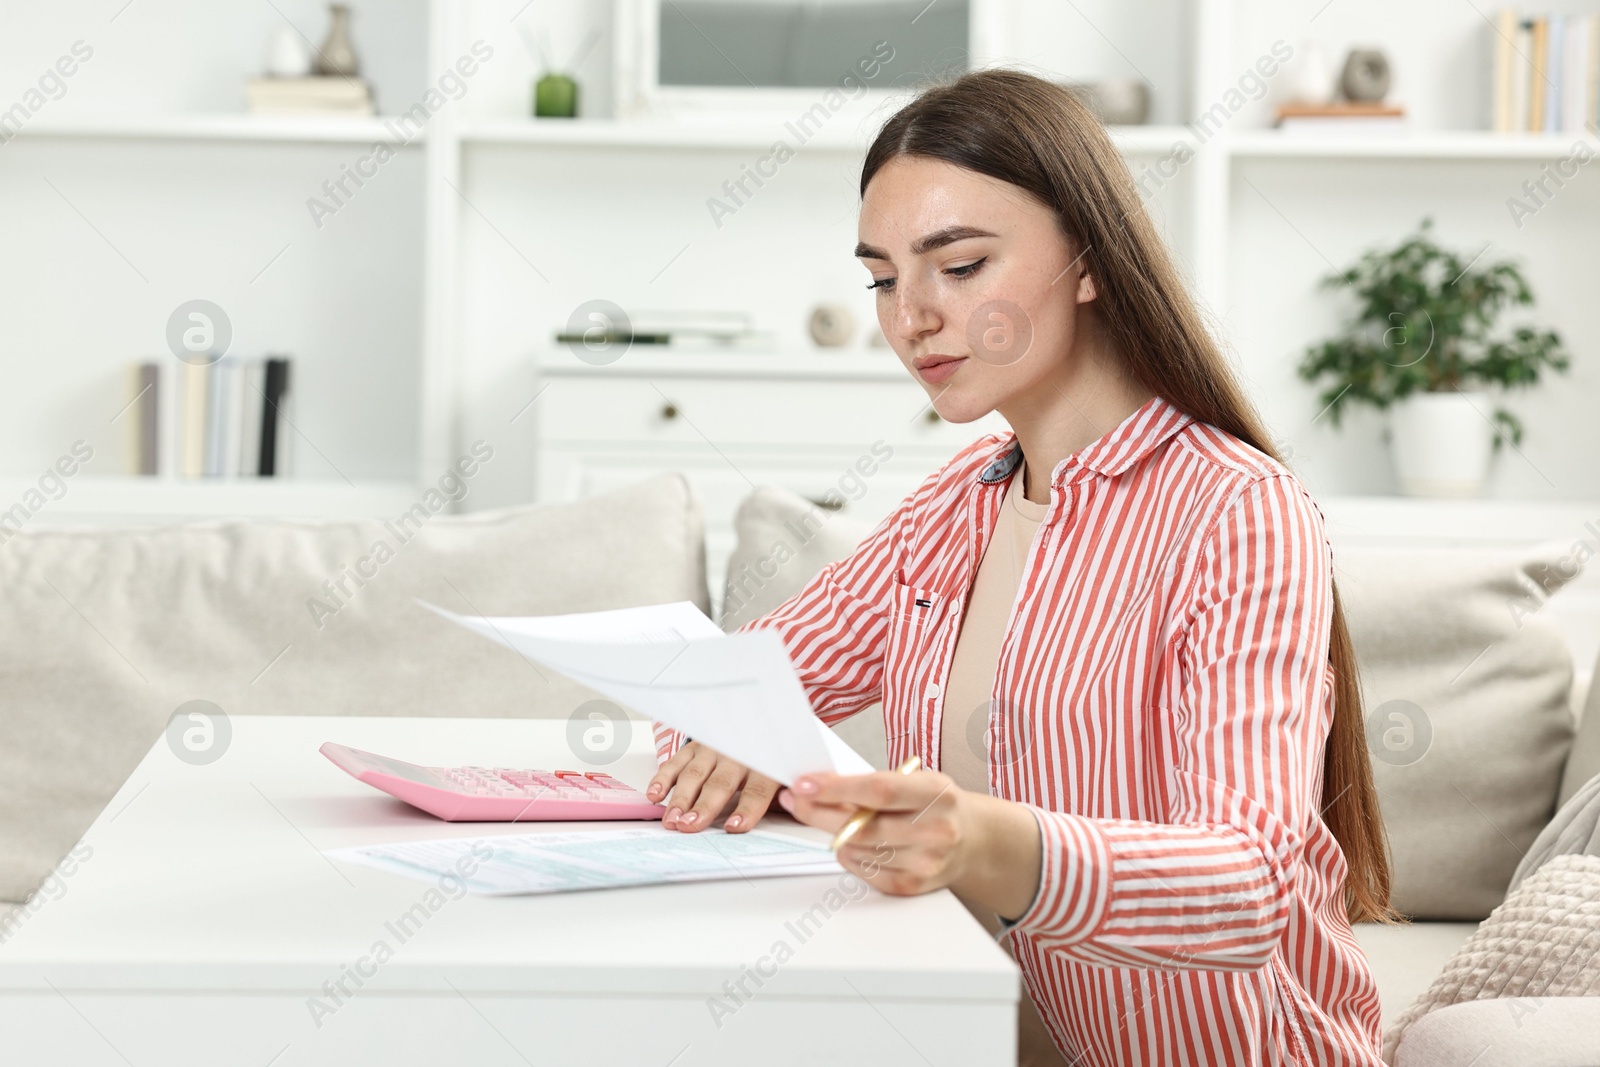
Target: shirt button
932,691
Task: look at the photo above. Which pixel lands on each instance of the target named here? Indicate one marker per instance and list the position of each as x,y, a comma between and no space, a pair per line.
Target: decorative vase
1308,78
337,57
288,55
1441,443
555,96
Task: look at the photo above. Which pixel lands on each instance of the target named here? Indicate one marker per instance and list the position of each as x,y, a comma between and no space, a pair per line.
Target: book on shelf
142,417
225,416
275,385
309,96
196,394
1341,117
1546,73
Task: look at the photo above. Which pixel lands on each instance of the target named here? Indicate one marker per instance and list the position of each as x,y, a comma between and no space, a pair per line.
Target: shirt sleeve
1209,887
835,628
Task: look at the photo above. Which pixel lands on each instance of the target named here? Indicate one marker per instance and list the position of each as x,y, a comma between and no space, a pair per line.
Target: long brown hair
1038,136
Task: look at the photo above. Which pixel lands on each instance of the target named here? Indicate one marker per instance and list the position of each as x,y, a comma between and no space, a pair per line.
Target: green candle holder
555,96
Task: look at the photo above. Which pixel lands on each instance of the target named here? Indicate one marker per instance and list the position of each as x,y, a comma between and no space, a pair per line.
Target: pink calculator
495,794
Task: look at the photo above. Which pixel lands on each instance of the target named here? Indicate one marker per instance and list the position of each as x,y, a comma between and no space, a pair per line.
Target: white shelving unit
418,309
1451,145
743,134
331,130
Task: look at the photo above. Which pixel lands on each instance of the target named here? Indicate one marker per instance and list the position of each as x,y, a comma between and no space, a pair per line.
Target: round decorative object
1366,76
832,325
288,55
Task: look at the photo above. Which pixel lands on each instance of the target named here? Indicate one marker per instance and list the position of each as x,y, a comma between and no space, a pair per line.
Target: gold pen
862,815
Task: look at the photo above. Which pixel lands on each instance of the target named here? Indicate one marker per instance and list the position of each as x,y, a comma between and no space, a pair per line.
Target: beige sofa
111,630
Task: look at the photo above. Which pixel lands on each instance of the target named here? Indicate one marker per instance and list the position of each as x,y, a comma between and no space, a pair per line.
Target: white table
206,920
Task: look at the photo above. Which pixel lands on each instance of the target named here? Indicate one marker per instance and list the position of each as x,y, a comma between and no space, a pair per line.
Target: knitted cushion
1543,941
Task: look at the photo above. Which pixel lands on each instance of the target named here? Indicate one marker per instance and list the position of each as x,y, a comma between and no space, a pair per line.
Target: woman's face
976,286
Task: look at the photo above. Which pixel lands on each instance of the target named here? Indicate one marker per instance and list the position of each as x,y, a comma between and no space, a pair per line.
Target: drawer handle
830,504
932,418
669,411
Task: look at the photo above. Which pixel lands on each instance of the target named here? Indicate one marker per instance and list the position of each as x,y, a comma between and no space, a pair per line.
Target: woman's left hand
927,834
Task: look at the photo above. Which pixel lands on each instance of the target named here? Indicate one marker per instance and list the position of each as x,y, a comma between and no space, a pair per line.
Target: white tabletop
211,877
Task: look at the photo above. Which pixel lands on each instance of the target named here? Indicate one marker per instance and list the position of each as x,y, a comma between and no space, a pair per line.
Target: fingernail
734,822
654,790
691,818
672,816
786,801
805,785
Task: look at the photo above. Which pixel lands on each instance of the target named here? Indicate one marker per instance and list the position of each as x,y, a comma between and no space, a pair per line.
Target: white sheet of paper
737,693
595,859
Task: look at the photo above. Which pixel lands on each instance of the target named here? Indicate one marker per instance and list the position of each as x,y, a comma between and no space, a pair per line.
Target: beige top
963,730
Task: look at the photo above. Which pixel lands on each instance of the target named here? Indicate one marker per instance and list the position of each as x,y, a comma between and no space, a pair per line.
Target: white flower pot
1442,443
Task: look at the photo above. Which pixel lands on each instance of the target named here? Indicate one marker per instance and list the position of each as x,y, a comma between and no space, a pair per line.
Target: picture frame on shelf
649,83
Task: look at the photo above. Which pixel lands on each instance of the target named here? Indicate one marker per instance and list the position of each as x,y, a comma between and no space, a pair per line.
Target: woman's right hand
701,783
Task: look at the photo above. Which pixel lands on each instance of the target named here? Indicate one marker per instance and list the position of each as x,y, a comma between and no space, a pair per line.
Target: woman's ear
1086,290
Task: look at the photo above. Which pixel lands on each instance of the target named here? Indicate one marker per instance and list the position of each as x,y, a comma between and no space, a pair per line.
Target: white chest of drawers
851,431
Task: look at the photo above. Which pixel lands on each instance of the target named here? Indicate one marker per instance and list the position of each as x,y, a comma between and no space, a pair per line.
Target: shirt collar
1110,454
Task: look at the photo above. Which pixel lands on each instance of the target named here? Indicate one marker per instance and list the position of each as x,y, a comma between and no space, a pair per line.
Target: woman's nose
915,315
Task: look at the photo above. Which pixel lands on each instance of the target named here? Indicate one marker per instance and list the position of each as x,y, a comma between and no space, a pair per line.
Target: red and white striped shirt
1161,705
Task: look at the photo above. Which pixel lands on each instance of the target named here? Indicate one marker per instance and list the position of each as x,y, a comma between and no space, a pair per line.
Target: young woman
1111,635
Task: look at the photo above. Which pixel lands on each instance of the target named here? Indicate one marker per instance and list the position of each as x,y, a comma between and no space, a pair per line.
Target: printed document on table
737,693
595,859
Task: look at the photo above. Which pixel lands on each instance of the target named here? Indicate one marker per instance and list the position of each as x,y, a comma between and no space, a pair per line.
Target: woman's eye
882,283
966,270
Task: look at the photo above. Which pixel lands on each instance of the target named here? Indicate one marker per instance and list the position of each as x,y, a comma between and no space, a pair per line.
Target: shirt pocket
914,618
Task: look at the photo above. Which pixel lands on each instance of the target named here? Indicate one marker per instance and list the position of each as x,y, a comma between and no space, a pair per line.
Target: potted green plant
1423,346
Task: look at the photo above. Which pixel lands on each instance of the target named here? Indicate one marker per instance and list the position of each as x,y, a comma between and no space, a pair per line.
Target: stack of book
1341,117
688,330
229,418
309,96
1546,73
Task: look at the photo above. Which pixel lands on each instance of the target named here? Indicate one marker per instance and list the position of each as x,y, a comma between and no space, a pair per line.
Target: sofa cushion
108,631
1468,723
1526,1032
783,539
1543,941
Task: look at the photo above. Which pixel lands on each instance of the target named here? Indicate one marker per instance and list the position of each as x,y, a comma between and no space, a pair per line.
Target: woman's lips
937,369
